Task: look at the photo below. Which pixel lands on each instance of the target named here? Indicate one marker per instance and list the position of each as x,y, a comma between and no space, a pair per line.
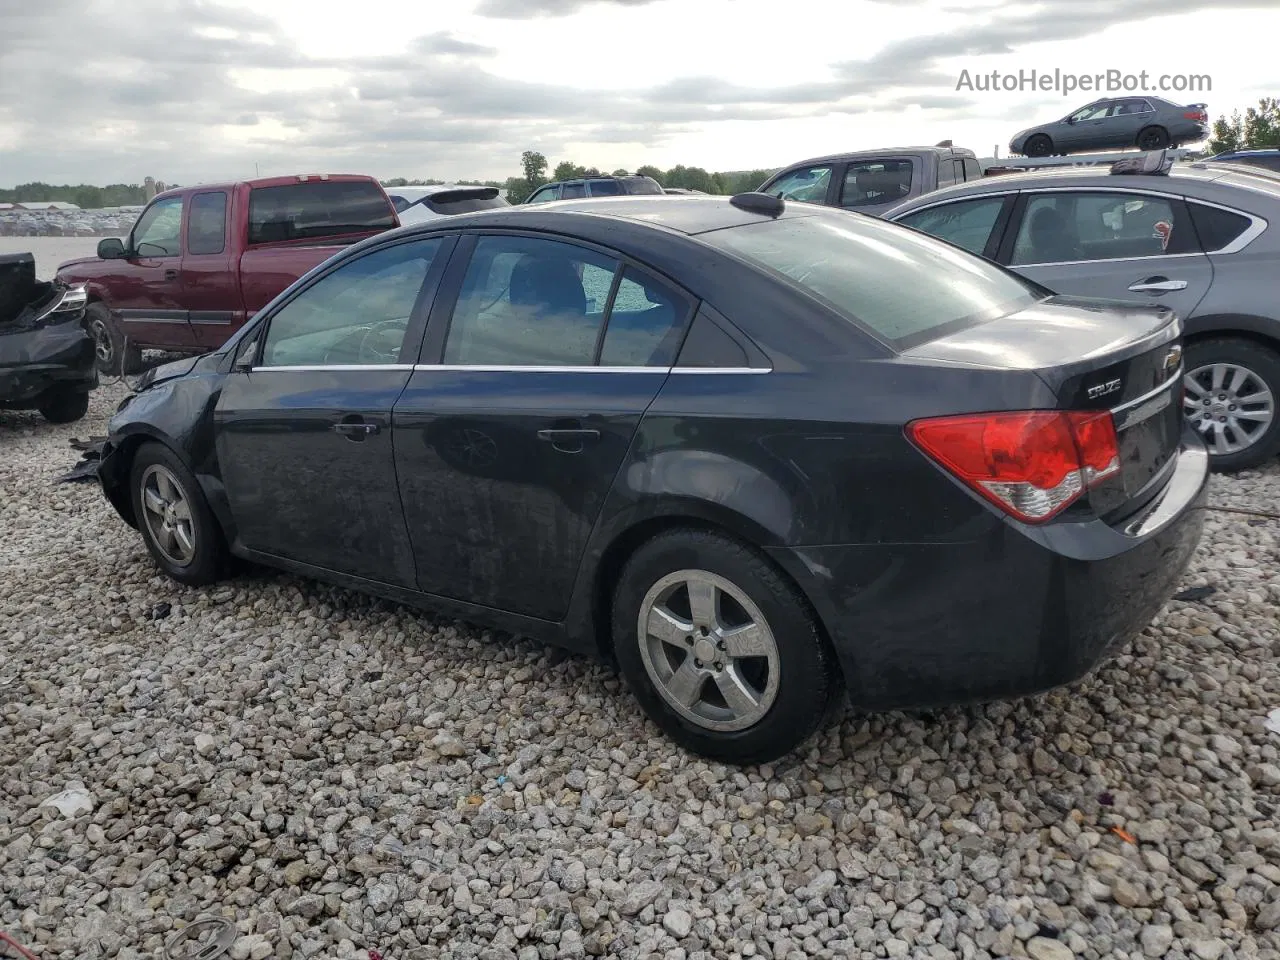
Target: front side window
903,287
320,208
966,223
1069,226
1095,111
807,185
545,194
207,223
870,182
358,314
159,230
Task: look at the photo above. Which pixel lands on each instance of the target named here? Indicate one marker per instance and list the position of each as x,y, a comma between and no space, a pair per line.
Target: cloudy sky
185,90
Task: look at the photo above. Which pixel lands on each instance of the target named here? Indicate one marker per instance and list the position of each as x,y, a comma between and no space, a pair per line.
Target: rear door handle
356,431
569,440
171,274
1158,285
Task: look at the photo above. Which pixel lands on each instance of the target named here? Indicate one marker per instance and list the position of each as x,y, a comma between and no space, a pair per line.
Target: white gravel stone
338,774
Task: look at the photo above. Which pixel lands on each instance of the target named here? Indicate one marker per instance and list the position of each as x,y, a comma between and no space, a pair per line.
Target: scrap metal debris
90,456
1195,593
213,935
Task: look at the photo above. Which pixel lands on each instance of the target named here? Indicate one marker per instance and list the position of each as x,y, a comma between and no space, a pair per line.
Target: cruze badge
1102,389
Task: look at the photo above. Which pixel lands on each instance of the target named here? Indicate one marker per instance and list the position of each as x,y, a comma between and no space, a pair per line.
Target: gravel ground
339,775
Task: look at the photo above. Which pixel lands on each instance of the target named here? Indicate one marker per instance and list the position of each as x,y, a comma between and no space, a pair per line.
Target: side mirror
245,355
1071,119
111,248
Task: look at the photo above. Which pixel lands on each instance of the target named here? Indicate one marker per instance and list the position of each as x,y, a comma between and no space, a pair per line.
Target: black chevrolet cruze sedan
762,454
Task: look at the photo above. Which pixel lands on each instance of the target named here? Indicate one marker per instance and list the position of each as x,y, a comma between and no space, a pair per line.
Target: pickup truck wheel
64,406
109,343
174,518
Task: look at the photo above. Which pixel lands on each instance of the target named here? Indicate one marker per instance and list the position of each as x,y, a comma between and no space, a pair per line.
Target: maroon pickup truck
201,260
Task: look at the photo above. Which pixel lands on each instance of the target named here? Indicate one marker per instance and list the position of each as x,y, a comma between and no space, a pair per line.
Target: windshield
902,286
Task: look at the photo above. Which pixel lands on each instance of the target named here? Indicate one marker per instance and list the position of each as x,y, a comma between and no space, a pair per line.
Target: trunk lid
1094,355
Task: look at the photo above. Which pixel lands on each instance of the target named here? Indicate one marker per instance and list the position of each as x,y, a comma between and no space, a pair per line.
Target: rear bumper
1015,611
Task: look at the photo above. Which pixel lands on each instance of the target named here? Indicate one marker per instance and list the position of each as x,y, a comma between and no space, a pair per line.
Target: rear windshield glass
902,286
321,208
642,186
464,204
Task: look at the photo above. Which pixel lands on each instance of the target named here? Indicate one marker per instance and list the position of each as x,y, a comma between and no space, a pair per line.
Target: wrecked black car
46,354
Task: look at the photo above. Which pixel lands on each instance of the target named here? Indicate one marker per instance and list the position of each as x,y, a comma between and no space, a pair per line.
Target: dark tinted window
905,287
572,191
710,345
643,186
545,194
320,208
451,203
876,181
972,169
207,223
1070,227
358,314
527,302
605,188
1216,228
646,322
948,170
1266,163
966,223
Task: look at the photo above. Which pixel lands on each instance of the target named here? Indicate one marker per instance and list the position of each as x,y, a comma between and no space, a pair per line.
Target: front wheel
65,406
720,649
115,355
1230,391
1153,138
176,523
1038,146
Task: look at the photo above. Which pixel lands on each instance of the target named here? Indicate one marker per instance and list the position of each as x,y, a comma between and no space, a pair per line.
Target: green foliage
690,178
534,167
84,196
649,170
1258,127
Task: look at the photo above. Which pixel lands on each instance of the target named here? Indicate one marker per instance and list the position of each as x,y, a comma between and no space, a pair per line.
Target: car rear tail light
1032,464
1198,115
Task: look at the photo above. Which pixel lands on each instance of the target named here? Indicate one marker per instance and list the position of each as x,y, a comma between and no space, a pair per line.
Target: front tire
1038,146
114,355
64,406
720,649
177,525
1231,391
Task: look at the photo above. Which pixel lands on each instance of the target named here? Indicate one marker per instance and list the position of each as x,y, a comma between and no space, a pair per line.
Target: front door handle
569,440
1158,285
355,430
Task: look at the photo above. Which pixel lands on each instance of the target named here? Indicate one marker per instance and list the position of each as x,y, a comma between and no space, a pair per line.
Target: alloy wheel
101,340
167,514
708,650
1229,404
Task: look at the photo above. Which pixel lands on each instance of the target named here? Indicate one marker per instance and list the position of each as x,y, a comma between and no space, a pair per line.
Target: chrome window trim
497,368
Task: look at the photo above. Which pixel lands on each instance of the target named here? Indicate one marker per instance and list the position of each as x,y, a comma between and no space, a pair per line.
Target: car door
1085,128
210,278
1113,243
146,290
303,436
514,425
1127,120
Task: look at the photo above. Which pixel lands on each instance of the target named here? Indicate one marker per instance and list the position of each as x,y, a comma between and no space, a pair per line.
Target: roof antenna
756,202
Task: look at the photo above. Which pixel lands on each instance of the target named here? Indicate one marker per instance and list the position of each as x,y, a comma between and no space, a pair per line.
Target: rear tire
1038,146
174,518
742,674
1246,372
1153,138
115,357
64,406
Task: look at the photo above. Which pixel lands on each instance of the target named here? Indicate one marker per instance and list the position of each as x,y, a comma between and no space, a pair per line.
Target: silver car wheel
167,514
1230,405
101,339
708,650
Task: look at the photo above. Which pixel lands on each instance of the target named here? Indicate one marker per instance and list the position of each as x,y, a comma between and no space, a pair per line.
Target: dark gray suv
1198,237
587,187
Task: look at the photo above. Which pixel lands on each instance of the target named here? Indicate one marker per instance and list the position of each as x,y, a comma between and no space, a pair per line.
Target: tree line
534,174
83,195
1258,127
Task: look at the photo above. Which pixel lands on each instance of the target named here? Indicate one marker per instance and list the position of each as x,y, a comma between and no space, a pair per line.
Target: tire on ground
209,562
1264,363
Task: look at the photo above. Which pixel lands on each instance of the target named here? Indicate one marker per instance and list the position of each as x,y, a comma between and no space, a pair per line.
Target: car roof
267,182
601,176
875,154
429,189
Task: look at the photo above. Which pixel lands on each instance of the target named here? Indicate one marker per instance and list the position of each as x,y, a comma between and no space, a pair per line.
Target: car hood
167,371
1056,332
78,262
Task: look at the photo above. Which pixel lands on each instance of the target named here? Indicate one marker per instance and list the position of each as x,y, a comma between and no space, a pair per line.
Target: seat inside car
549,285
1052,237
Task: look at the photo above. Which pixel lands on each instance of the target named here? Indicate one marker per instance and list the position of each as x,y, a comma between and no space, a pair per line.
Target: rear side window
605,188
643,186
1069,227
207,223
902,286
966,223
573,191
1216,227
972,169
870,182
646,322
321,208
